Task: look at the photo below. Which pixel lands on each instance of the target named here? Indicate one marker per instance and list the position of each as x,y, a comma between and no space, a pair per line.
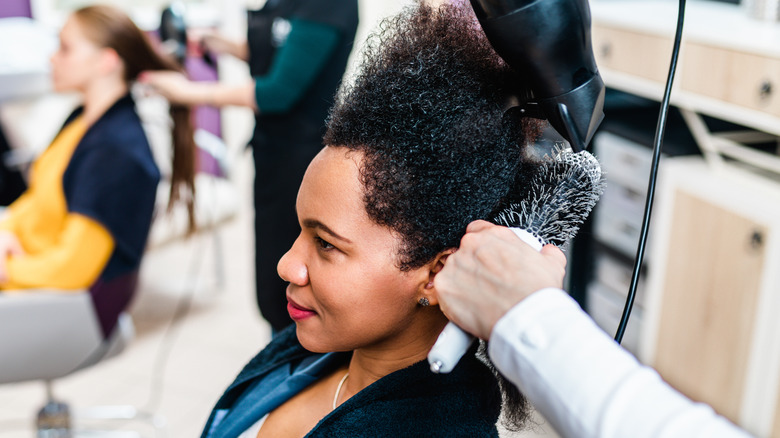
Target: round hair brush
558,200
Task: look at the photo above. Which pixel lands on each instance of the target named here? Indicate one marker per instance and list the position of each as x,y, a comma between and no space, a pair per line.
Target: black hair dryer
547,43
173,31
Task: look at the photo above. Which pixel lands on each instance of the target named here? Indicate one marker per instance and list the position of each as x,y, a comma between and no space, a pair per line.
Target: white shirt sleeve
584,383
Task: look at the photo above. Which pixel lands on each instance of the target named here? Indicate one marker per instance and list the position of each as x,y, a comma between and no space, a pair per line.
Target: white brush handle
453,342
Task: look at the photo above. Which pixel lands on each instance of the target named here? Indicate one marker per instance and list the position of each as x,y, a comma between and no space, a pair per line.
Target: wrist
212,96
203,93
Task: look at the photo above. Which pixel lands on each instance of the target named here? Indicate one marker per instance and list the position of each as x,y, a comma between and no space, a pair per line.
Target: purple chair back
15,8
111,298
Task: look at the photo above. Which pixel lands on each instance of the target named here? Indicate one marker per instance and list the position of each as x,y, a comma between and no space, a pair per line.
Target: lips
298,312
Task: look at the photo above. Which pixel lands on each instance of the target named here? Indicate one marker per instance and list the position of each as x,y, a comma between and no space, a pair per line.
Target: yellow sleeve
75,262
14,213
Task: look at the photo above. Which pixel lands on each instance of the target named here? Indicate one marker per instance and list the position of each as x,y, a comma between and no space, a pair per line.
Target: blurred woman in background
88,209
84,220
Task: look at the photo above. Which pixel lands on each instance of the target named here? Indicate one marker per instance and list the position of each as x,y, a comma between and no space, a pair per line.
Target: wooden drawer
606,308
632,52
623,161
618,227
743,79
616,275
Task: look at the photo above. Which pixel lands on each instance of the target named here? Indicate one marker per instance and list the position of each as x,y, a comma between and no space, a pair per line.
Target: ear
110,61
432,269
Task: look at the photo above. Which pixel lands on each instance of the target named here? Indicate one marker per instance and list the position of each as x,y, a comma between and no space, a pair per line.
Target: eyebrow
314,223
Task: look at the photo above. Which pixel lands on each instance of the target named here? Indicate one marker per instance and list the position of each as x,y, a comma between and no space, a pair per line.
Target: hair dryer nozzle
547,43
577,114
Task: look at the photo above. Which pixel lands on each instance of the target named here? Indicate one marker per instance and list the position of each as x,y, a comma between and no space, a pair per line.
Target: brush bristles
561,196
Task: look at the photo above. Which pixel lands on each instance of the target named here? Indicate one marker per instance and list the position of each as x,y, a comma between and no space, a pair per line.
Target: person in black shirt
297,52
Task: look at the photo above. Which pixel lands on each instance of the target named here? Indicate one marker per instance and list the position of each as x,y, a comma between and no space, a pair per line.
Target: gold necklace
338,389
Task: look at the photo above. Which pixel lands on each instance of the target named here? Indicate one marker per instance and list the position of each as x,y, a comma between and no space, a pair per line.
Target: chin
316,342
310,343
64,87
59,88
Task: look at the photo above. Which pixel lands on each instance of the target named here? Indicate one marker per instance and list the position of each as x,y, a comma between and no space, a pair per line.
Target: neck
100,96
405,349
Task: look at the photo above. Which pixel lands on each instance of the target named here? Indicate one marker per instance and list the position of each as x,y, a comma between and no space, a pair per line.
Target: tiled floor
200,353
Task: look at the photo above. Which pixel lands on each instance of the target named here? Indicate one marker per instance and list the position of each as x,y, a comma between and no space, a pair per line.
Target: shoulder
117,143
416,402
120,125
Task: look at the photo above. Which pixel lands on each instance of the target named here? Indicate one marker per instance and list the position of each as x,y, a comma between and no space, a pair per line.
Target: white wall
230,16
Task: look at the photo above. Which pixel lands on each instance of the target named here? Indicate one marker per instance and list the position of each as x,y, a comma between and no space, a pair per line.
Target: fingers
210,41
9,246
479,225
146,77
169,84
479,232
554,254
3,270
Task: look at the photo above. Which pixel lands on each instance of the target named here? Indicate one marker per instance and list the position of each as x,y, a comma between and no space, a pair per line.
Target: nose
291,266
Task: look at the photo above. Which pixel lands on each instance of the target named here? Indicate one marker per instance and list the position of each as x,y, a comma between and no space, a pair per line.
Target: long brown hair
109,27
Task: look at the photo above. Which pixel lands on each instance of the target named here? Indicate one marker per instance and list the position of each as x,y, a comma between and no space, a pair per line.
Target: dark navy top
112,178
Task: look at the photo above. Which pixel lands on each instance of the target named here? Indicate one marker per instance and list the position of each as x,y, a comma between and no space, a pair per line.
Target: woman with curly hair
417,148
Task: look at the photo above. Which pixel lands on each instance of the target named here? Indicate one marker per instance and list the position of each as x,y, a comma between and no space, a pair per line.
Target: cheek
374,292
66,70
77,64
357,307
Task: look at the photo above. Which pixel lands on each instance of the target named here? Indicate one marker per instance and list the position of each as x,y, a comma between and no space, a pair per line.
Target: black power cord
659,137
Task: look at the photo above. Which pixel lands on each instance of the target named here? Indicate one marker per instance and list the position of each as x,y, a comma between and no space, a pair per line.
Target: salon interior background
711,273
230,11
174,368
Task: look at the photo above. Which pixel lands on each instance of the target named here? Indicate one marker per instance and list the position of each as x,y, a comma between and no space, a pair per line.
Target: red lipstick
297,312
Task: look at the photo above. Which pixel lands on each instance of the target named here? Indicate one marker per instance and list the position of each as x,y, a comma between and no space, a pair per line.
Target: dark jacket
410,402
112,178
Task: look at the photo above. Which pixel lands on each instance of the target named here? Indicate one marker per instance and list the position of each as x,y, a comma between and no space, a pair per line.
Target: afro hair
427,111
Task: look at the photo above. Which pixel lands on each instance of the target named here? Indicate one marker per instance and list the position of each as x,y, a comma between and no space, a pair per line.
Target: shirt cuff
528,310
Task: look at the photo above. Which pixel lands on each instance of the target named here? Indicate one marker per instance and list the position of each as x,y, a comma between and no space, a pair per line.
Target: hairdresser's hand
171,85
491,272
9,246
215,43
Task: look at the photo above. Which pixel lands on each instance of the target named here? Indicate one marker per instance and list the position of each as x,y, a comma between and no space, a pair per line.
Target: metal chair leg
53,420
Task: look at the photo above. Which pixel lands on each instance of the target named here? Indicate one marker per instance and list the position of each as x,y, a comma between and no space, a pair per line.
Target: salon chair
58,333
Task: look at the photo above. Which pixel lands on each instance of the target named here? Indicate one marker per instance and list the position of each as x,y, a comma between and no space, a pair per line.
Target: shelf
729,68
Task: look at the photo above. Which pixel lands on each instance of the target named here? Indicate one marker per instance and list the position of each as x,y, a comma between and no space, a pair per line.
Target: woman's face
76,61
346,291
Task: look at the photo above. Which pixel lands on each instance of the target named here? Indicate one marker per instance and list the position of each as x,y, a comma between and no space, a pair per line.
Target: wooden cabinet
713,297
729,65
746,80
711,311
631,52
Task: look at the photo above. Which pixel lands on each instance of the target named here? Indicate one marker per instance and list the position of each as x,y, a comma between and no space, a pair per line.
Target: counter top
721,24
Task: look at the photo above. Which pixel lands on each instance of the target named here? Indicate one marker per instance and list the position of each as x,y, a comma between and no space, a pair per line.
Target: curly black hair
428,111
